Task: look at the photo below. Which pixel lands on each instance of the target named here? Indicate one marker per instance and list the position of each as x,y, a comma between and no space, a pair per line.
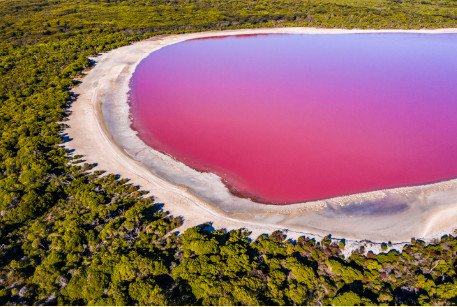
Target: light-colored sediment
99,129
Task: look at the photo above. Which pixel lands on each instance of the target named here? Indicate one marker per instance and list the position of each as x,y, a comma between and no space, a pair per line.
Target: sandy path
99,130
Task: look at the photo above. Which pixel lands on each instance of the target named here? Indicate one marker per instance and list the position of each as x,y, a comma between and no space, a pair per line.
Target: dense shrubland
72,236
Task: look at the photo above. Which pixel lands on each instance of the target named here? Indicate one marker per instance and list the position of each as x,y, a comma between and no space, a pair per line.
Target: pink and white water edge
295,118
100,128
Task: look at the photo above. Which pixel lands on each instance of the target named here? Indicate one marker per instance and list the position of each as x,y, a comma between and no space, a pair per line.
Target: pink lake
293,118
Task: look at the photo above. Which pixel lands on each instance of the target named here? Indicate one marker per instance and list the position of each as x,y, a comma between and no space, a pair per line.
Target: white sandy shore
100,130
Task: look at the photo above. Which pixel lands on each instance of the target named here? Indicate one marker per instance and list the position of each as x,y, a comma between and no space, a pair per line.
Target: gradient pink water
289,118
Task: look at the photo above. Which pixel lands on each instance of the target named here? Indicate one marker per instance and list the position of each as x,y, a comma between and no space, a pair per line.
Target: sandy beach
99,129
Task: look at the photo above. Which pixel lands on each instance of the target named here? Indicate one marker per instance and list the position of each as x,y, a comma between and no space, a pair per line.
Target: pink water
291,118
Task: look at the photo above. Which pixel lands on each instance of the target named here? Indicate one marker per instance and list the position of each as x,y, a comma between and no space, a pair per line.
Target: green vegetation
69,235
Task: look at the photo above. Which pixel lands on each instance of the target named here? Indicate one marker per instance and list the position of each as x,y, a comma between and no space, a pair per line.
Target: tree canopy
71,235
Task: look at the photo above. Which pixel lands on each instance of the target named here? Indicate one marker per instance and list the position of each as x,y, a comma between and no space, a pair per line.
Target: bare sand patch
100,130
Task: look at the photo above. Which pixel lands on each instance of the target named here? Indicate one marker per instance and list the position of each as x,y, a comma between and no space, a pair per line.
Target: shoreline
100,131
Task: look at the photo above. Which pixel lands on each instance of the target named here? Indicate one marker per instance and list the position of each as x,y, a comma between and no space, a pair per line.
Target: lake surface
300,117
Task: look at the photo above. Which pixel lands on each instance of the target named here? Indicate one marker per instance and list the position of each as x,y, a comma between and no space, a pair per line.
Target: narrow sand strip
100,130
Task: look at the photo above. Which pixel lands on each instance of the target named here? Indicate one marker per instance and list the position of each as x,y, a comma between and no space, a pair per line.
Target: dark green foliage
70,235
147,293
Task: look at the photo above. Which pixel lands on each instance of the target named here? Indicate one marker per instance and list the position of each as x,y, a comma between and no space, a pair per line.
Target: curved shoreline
100,130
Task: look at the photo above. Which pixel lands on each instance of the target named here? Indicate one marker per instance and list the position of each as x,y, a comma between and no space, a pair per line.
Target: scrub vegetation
70,235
